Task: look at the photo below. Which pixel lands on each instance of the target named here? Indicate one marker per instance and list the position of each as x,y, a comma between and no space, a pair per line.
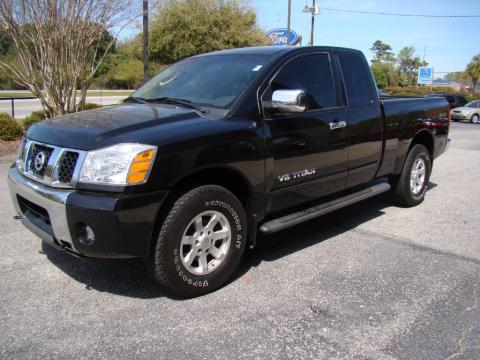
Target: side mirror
288,101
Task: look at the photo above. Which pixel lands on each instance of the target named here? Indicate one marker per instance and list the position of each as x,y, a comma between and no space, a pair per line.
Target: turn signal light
140,167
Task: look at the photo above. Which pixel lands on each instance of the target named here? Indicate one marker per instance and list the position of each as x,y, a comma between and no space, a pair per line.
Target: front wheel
475,119
410,187
200,243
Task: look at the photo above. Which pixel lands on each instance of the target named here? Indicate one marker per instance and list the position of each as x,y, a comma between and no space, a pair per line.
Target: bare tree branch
57,44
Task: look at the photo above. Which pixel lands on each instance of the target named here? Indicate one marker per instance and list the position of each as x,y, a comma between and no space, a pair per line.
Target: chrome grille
35,150
67,166
51,165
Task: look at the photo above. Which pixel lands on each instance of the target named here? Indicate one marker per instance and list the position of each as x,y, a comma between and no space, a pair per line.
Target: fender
423,136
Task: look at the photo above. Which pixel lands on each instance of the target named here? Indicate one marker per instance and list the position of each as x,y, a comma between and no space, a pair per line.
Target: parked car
470,112
455,100
217,147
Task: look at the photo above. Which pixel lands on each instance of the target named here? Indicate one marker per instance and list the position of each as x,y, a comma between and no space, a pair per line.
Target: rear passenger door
308,152
364,117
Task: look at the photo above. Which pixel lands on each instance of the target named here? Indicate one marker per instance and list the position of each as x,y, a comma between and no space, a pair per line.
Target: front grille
48,164
35,150
67,166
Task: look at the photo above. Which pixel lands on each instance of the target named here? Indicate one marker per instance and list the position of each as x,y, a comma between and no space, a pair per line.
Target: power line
400,14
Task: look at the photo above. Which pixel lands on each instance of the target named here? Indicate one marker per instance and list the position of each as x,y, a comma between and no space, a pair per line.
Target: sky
449,43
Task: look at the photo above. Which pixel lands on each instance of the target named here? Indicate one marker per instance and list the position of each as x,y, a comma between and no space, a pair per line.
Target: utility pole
288,21
313,24
146,74
314,11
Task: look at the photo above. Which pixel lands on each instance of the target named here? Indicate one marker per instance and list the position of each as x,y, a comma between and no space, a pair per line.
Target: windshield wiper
175,101
136,99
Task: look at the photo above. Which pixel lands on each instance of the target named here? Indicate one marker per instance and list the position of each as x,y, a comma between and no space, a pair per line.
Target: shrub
33,118
9,128
91,106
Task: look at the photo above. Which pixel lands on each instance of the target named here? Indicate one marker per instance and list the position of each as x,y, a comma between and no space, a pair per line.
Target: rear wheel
475,119
200,243
410,187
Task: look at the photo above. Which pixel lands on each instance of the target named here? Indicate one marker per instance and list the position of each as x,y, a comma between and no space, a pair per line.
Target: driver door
308,149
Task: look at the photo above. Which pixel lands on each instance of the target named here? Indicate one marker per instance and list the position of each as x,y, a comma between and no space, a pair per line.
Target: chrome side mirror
287,101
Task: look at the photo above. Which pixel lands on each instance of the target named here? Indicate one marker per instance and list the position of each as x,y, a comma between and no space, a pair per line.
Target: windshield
473,104
211,81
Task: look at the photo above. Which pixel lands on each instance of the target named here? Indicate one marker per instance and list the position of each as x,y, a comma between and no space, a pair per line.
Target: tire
406,192
182,259
475,119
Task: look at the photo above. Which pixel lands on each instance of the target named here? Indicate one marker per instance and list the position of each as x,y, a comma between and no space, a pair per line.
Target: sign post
425,76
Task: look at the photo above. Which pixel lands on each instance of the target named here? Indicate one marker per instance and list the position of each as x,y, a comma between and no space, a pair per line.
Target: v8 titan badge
296,175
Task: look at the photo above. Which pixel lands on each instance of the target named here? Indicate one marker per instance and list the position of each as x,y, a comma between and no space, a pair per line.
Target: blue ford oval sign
279,37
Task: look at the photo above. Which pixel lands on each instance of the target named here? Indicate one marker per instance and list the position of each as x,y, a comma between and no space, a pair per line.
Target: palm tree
472,72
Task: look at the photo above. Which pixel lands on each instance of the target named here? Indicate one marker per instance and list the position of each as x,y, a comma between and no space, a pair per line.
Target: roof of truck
271,50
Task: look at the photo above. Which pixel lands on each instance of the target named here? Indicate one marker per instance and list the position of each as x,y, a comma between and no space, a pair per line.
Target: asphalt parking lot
372,281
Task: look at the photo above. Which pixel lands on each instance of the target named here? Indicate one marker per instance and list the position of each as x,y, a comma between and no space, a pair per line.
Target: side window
357,78
312,74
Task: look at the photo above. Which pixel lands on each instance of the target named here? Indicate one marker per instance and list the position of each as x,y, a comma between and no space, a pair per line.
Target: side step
298,217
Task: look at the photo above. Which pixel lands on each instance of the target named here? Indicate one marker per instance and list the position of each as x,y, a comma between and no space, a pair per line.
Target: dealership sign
425,75
280,37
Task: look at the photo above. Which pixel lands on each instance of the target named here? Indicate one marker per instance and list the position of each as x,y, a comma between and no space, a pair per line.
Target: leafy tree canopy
184,28
382,52
6,43
385,74
408,64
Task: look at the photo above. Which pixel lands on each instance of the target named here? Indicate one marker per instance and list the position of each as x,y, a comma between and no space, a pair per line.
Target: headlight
122,164
21,155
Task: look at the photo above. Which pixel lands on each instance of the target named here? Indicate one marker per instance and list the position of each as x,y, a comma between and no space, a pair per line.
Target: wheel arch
225,176
423,137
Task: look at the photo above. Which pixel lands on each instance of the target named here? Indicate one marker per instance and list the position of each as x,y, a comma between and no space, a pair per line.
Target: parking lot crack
461,344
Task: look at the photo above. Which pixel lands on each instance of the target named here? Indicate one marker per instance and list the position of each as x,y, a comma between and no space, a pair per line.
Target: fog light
85,235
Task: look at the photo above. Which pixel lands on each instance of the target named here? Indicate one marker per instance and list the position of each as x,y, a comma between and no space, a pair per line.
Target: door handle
337,124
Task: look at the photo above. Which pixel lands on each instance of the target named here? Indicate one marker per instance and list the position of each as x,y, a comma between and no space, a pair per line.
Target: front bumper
458,116
123,223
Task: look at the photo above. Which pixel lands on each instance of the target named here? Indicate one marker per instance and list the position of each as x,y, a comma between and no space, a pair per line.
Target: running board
301,216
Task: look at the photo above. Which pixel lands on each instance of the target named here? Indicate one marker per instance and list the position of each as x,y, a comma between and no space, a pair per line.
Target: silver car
470,111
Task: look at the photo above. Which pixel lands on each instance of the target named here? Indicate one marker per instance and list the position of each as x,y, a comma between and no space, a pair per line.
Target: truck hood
108,125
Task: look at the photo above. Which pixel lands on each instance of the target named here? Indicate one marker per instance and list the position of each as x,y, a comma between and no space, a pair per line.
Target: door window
358,80
313,75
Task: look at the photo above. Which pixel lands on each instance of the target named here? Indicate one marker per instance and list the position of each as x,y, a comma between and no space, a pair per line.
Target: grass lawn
89,93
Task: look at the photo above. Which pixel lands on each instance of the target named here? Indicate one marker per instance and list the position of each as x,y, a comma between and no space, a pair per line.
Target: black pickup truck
187,170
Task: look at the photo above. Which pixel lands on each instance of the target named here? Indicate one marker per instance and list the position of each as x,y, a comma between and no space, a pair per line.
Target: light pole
314,11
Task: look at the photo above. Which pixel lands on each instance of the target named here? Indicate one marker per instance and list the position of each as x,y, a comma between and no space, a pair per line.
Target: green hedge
423,90
91,106
33,118
10,129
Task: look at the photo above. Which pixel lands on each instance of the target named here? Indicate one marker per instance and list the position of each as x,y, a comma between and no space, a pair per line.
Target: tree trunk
146,74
